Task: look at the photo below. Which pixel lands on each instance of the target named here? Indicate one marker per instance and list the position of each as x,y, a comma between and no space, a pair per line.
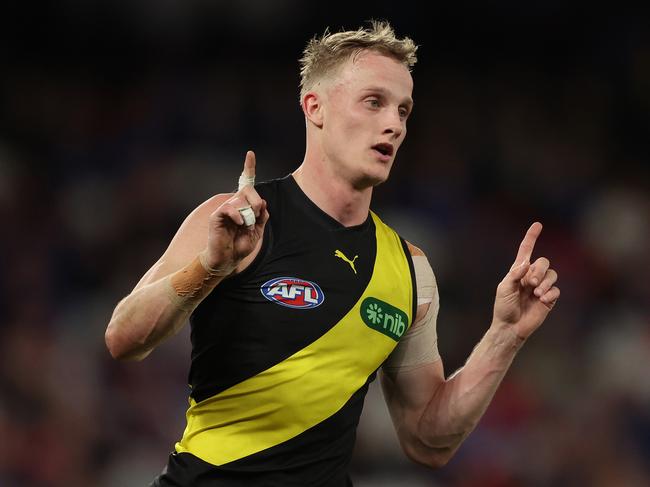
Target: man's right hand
229,239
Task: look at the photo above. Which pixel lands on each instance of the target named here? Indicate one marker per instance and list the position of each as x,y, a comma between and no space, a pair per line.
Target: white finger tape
245,181
248,216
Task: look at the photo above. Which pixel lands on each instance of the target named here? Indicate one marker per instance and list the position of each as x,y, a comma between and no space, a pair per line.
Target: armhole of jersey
409,259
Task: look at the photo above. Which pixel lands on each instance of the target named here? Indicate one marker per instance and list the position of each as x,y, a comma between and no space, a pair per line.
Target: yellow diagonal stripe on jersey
309,386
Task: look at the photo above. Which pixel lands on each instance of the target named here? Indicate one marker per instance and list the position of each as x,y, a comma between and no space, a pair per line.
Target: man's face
366,107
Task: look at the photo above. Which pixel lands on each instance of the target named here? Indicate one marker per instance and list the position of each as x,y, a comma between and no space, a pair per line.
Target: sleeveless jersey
283,353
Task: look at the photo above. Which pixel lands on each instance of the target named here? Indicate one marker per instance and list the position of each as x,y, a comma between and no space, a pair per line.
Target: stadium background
115,121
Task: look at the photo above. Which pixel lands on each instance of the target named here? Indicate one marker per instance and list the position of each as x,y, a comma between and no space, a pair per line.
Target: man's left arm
433,415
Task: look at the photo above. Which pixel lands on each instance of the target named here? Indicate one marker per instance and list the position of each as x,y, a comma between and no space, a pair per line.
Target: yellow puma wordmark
341,255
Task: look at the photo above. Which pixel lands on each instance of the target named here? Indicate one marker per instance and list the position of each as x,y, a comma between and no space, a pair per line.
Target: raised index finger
528,244
249,164
248,175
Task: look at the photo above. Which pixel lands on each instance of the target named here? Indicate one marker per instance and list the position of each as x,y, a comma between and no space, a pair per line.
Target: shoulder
422,267
413,249
425,280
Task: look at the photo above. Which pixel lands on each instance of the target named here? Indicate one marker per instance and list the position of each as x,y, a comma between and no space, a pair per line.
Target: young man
297,293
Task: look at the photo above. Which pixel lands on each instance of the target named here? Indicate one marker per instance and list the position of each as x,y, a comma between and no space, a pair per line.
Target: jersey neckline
311,208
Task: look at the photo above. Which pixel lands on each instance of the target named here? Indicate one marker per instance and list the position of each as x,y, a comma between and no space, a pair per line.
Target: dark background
117,120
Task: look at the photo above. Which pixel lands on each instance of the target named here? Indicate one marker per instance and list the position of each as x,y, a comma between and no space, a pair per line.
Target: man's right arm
150,314
212,243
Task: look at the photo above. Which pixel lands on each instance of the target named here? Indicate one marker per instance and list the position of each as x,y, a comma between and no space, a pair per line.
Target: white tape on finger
248,216
245,181
246,212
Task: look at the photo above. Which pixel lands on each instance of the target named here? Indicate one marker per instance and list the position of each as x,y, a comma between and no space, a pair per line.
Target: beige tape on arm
419,345
424,278
189,285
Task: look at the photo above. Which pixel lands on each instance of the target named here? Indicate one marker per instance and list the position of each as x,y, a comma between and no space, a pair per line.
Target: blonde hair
324,54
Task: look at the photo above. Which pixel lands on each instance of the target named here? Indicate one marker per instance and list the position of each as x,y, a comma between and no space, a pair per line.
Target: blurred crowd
98,171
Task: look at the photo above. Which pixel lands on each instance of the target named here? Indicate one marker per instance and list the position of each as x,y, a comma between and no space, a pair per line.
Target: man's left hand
528,292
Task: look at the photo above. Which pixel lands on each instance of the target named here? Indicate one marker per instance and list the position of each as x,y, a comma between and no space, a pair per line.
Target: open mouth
384,149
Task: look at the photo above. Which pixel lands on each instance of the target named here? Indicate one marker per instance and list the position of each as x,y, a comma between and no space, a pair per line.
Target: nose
394,124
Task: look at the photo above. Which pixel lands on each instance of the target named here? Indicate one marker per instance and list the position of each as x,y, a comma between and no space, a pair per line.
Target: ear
312,106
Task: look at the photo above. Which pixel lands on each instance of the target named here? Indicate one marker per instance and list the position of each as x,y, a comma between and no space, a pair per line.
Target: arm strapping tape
419,345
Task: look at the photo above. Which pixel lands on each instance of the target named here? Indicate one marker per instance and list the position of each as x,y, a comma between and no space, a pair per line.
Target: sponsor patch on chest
293,292
384,317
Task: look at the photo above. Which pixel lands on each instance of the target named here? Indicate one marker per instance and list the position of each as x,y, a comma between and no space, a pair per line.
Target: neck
335,196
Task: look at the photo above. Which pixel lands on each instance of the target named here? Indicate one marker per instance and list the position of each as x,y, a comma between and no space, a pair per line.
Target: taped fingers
246,211
230,210
239,210
245,181
248,206
248,215
247,177
251,205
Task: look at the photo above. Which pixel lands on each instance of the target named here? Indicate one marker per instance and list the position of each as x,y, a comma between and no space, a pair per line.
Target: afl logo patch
293,292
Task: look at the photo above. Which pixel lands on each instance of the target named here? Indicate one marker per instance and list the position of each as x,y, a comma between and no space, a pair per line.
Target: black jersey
282,353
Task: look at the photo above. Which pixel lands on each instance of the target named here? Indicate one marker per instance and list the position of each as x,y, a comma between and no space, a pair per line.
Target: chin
371,179
381,174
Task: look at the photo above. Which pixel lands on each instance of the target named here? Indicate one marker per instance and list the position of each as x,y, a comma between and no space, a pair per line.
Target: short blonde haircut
325,54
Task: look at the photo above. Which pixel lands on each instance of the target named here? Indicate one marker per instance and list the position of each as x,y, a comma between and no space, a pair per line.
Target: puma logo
341,255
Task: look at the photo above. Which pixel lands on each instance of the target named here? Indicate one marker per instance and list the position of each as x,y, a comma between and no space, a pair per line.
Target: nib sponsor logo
293,292
384,318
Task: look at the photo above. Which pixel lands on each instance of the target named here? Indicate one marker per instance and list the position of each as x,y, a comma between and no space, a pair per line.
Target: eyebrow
376,89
